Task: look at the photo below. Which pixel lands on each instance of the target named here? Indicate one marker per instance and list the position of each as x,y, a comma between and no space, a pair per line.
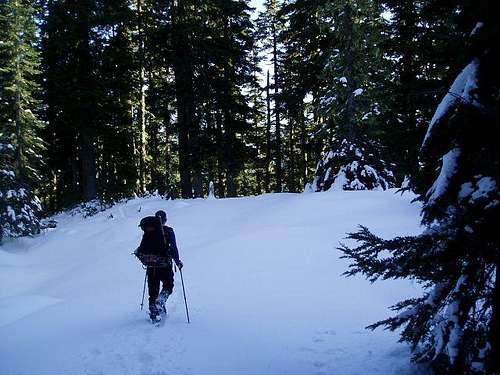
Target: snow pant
155,275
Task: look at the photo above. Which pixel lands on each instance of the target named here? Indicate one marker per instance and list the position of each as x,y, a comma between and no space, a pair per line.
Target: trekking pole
184,292
144,288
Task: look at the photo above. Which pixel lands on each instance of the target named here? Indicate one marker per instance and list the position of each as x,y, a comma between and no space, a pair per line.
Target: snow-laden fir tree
348,106
20,145
455,324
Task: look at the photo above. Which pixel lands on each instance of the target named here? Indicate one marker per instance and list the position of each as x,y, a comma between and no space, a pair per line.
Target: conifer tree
72,95
455,324
270,24
414,82
117,166
303,61
20,144
349,103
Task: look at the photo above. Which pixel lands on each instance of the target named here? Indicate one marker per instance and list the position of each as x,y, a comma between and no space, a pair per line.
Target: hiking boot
153,312
161,300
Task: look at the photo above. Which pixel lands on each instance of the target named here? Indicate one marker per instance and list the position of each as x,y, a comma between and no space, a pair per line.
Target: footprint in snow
145,358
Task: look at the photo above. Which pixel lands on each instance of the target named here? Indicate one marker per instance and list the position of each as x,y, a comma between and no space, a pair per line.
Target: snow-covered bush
19,208
352,167
90,208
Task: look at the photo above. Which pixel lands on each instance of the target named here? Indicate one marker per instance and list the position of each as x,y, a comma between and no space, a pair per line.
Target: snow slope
263,281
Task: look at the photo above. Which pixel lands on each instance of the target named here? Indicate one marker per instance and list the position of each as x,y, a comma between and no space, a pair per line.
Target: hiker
166,250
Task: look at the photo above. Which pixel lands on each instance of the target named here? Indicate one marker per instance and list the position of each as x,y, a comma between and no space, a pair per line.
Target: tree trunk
279,167
141,115
220,156
229,142
229,127
212,136
408,78
267,177
88,180
19,136
303,148
291,158
86,86
350,127
195,157
167,157
184,92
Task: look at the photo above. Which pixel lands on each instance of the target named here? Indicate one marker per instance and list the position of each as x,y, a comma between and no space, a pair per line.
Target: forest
106,99
102,101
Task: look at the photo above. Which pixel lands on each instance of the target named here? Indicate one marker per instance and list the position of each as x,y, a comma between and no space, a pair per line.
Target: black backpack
153,250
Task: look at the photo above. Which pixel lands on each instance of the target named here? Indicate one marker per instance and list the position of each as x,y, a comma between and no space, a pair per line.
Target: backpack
153,250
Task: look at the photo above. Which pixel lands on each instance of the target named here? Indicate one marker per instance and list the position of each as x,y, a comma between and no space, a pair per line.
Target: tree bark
141,115
350,127
19,133
184,92
229,131
85,110
291,158
267,177
279,166
87,158
303,148
220,156
408,78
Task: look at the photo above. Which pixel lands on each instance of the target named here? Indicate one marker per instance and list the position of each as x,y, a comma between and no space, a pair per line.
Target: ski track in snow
264,285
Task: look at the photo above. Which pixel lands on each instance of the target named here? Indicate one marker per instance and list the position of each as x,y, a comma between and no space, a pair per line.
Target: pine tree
20,144
72,95
349,103
304,57
183,34
162,159
455,324
117,169
269,26
414,82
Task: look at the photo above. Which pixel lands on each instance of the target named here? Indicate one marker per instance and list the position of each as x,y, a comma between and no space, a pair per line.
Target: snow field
264,285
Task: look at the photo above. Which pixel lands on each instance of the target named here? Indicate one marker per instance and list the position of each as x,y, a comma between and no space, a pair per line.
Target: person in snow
166,249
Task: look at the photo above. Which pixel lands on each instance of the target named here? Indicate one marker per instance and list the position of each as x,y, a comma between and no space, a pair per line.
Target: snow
211,191
466,190
456,329
340,180
477,28
448,170
485,186
357,92
264,285
7,173
462,89
11,212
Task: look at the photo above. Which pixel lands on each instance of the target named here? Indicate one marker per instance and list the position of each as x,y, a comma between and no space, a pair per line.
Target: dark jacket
172,244
152,243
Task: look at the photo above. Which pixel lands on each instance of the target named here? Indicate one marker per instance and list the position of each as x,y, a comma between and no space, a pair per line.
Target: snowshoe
162,298
154,314
160,302
155,319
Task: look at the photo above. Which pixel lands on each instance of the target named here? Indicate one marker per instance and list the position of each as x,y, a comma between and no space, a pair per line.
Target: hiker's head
149,229
162,215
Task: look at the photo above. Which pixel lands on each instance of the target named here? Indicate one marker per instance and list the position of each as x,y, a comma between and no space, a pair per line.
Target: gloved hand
180,265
